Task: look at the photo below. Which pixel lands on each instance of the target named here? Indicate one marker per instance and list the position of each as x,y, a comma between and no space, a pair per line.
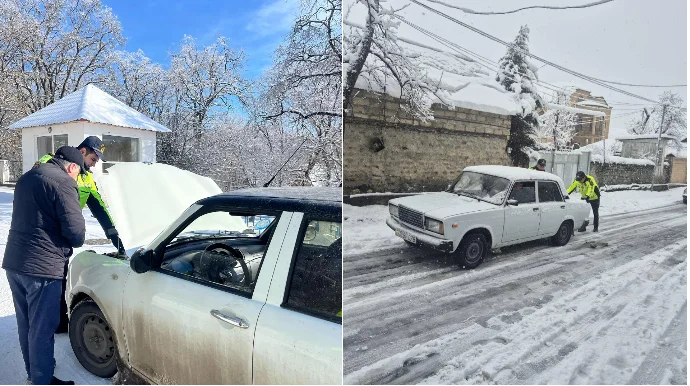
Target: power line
490,64
574,73
467,10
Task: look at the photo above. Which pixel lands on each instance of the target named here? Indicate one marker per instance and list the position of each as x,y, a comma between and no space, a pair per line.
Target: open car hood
144,199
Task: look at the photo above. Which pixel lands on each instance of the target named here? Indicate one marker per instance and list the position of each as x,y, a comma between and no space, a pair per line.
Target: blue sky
157,26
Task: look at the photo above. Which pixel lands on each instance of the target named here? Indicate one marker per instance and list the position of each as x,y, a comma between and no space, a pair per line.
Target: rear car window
316,285
549,192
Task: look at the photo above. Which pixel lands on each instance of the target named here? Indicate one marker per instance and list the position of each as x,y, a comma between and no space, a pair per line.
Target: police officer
46,225
92,150
541,164
590,192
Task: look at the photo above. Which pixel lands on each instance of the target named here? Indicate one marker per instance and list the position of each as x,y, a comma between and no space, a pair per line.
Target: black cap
71,154
94,143
580,175
541,162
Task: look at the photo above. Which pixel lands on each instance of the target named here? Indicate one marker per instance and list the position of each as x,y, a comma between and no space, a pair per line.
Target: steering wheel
229,270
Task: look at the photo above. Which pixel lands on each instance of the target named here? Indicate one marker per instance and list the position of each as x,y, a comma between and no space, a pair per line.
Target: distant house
643,146
590,128
128,135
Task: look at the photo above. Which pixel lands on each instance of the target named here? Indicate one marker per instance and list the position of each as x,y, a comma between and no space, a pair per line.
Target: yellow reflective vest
588,189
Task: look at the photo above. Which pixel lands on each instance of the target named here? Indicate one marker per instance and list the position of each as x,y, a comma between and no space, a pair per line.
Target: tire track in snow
387,323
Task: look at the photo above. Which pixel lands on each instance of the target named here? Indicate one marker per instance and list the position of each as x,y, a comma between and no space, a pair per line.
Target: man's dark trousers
595,210
37,305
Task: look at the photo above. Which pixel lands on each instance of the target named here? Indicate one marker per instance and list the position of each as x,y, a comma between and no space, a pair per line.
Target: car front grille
411,217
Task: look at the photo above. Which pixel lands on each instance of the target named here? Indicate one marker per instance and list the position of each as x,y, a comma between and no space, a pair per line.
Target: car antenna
286,162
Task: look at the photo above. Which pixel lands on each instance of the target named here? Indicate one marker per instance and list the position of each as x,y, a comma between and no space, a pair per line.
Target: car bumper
419,238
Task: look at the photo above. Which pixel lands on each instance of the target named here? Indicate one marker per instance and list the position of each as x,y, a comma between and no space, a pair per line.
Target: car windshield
482,186
223,224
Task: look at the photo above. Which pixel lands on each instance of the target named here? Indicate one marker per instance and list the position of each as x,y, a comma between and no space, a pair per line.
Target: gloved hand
583,198
117,242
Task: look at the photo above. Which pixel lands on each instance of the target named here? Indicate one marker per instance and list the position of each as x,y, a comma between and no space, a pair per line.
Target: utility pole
659,165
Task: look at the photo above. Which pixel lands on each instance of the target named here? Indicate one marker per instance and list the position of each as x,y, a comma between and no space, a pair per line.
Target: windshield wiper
202,237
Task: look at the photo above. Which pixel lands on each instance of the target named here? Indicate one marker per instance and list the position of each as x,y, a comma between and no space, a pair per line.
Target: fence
566,164
10,171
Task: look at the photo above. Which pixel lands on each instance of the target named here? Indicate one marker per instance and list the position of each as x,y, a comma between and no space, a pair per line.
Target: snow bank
365,230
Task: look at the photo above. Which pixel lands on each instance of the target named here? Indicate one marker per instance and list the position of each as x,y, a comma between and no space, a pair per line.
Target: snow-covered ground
12,370
537,314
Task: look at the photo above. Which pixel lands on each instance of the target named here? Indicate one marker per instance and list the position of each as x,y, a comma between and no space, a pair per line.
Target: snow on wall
621,160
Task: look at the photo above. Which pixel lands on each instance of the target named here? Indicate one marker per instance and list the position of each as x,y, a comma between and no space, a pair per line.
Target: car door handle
237,322
535,209
562,206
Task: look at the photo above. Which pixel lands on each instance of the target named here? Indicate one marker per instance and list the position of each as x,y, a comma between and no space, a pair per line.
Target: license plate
407,236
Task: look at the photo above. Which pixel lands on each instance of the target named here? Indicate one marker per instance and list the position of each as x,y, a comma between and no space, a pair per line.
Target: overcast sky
628,41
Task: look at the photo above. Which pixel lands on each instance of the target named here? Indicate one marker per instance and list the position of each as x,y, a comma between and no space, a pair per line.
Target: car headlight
393,210
433,225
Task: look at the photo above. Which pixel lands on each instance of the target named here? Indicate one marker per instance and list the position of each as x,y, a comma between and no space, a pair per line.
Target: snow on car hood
144,199
445,204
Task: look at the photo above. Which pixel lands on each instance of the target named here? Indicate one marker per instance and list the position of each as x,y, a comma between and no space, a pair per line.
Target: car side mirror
567,197
512,202
142,260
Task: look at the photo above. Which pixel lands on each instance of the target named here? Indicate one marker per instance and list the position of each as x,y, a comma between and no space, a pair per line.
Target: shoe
596,230
582,230
56,381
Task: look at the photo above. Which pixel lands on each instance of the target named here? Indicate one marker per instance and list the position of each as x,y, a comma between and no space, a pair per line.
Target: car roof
315,201
513,173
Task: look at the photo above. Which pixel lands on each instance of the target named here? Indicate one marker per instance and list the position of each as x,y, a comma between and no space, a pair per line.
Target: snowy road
532,314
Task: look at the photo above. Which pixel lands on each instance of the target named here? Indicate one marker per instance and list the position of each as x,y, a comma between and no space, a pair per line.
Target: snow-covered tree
518,75
302,91
373,52
48,49
558,124
675,120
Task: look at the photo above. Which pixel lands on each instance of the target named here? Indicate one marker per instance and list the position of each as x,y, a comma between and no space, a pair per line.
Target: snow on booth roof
462,82
92,104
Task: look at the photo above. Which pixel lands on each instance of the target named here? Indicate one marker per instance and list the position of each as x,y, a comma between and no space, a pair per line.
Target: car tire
92,339
471,251
562,237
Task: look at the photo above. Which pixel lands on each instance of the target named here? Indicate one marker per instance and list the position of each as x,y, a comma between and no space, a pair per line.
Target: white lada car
489,207
243,287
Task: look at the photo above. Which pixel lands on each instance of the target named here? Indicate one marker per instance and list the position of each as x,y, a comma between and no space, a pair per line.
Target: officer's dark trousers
595,209
37,305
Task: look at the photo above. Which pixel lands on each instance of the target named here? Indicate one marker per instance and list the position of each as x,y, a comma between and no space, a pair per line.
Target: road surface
531,314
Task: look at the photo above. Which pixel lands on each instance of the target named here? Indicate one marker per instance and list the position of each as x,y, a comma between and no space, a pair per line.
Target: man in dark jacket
46,224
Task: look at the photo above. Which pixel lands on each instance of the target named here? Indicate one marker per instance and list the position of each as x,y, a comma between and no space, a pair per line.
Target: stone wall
624,174
386,150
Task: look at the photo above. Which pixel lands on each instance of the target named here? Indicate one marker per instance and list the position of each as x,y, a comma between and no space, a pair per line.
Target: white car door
552,204
299,334
193,320
522,221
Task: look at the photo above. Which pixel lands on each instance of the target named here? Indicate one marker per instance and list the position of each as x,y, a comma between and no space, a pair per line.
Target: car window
315,285
483,186
549,192
523,192
220,249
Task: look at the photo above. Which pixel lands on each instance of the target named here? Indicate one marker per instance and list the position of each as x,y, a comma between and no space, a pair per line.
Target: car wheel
562,237
471,251
92,339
